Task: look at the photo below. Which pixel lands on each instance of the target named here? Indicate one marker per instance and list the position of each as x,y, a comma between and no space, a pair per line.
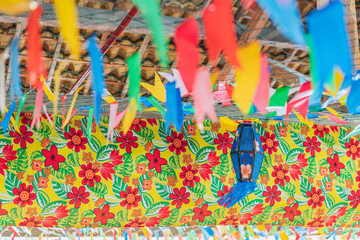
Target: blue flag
174,108
15,86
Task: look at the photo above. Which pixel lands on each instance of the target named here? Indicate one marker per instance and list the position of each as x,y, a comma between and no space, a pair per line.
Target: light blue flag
15,86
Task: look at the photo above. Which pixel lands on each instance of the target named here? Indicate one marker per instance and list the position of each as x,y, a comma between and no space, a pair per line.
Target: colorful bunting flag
130,115
186,41
150,10
203,102
15,85
66,13
219,31
34,62
97,68
353,99
173,104
280,97
301,101
228,124
261,97
285,14
6,120
134,72
16,7
247,77
176,77
327,29
158,90
157,105
222,94
334,118
38,104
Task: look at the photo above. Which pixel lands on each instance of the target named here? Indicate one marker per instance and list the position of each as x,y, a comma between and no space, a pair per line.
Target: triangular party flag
157,105
301,101
228,124
66,13
354,132
22,101
6,120
280,97
157,90
34,62
247,77
112,120
286,15
97,68
15,81
16,7
150,10
246,4
334,118
70,111
261,97
134,72
220,32
89,124
38,104
222,95
173,104
203,102
176,77
3,59
327,29
186,41
130,115
301,81
353,99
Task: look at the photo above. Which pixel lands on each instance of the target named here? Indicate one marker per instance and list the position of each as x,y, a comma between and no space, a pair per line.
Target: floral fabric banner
149,177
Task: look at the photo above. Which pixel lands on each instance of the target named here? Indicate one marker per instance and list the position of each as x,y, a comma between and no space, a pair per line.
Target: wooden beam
288,69
353,31
290,58
283,45
321,3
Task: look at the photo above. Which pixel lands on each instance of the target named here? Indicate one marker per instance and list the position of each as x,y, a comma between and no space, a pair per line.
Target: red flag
301,101
220,33
186,42
34,61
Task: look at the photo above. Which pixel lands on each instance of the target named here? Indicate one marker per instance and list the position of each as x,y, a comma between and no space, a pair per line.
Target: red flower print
128,141
317,222
320,130
188,173
152,122
88,174
223,192
26,118
164,212
131,198
179,197
272,195
335,164
229,221
50,221
3,166
25,195
205,171
61,211
295,172
8,153
30,222
22,137
301,160
201,213
137,124
52,157
115,157
258,209
135,223
106,169
291,212
224,142
152,222
177,143
78,196
213,159
3,211
316,199
155,161
280,175
334,128
270,144
354,198
358,178
354,149
312,145
329,222
103,215
76,138
245,218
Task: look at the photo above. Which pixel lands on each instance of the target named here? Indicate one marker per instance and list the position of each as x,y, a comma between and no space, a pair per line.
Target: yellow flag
67,119
228,124
67,15
14,7
157,90
247,78
283,235
130,115
213,78
331,110
108,97
56,89
303,120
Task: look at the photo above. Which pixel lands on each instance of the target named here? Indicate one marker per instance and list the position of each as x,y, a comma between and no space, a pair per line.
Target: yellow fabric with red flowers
153,177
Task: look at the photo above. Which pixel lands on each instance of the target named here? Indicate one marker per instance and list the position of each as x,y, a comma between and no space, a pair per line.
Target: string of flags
249,90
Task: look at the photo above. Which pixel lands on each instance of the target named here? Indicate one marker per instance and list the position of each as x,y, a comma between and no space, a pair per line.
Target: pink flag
301,101
334,118
220,33
203,102
261,97
186,42
222,95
